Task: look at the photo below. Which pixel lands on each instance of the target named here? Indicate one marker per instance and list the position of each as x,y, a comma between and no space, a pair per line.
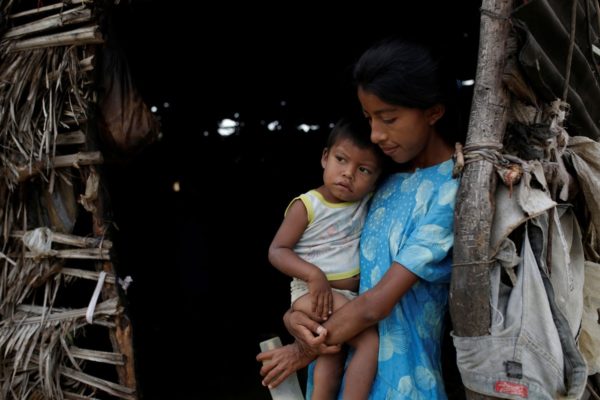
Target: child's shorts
299,288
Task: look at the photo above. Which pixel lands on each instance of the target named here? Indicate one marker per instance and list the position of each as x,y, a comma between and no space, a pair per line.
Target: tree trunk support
470,287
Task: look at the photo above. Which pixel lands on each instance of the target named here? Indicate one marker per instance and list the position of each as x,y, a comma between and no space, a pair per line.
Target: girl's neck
436,151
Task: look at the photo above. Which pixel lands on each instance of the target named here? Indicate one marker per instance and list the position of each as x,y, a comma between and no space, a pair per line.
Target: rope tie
485,151
510,168
493,14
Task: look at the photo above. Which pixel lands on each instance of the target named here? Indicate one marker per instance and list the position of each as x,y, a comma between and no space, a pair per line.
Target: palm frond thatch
45,98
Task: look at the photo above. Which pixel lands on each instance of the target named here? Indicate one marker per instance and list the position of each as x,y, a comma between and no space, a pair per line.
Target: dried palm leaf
45,94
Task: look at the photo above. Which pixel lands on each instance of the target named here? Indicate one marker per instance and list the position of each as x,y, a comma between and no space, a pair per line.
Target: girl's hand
320,295
280,363
310,335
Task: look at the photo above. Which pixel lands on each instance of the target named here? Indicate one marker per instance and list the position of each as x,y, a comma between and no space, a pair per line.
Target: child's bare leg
304,304
329,368
363,366
327,376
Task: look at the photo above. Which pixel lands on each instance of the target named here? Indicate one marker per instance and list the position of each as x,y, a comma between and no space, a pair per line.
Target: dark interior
203,293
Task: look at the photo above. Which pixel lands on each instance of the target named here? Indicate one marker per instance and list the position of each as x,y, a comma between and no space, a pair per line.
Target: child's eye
388,121
340,158
365,170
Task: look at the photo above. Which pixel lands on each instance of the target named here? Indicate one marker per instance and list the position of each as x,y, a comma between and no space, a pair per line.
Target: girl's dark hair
401,72
358,131
407,73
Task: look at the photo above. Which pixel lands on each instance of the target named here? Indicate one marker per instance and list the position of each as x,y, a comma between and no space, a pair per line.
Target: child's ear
434,113
324,157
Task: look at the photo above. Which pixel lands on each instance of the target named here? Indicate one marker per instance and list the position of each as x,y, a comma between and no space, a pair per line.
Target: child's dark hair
358,131
410,74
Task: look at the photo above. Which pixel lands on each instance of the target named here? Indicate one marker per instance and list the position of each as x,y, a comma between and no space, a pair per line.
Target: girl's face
349,172
406,135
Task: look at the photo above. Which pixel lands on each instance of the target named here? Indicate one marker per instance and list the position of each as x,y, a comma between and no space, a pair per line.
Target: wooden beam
115,389
470,287
84,274
121,336
106,357
80,254
74,16
69,138
70,160
78,37
46,8
74,240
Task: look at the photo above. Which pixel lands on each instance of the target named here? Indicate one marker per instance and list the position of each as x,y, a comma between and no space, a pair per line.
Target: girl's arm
283,257
355,316
370,307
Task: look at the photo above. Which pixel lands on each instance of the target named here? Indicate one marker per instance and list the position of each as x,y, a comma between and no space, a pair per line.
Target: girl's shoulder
444,169
420,184
439,173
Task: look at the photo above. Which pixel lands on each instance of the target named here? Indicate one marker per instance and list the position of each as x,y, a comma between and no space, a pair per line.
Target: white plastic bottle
289,389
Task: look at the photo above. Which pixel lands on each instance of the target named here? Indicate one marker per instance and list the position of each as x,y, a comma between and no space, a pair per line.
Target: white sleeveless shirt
330,240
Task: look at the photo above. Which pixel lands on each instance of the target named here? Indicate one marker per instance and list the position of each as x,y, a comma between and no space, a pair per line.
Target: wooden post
470,291
122,336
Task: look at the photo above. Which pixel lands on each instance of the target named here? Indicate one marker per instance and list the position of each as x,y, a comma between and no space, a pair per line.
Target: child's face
350,173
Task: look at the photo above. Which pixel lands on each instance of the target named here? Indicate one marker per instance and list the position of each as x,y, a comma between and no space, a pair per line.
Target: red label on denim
516,389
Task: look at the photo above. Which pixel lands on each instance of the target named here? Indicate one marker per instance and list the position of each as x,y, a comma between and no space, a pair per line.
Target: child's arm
283,257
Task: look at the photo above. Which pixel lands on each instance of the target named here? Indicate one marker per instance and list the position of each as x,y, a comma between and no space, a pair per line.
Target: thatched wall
57,282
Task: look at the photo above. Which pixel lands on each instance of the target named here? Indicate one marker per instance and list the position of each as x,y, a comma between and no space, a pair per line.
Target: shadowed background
196,210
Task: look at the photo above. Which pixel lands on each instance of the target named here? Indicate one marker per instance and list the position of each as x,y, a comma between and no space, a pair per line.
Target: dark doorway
196,210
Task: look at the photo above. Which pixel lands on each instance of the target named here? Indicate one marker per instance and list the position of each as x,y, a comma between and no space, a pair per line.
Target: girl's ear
434,113
324,157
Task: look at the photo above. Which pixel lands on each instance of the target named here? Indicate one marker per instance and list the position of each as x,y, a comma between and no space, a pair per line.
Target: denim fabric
531,351
515,337
584,156
589,340
566,272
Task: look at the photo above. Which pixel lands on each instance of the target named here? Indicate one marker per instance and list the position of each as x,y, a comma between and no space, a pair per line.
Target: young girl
317,245
405,244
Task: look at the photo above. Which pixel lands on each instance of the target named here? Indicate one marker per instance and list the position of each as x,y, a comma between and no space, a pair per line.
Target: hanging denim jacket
531,350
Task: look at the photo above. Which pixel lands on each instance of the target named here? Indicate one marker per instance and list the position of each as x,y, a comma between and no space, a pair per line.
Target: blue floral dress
410,221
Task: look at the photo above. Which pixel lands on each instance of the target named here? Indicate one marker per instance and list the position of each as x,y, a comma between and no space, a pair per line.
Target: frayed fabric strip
89,315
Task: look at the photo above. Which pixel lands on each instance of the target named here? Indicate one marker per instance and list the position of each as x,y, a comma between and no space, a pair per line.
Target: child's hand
320,295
